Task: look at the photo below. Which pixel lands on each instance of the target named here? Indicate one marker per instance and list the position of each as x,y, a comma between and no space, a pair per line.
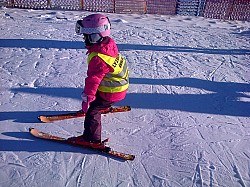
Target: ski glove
86,100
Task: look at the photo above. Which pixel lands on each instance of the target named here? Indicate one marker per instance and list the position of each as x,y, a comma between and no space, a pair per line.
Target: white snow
189,93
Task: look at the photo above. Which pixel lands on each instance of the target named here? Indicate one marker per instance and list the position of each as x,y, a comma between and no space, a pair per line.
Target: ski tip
43,119
129,108
132,157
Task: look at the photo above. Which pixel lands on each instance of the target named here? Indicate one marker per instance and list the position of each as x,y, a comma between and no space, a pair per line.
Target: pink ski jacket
97,69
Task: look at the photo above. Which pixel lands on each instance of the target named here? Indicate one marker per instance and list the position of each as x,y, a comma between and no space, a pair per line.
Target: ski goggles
92,38
79,29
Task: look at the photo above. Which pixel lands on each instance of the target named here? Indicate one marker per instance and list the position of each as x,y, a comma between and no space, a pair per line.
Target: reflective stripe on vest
116,81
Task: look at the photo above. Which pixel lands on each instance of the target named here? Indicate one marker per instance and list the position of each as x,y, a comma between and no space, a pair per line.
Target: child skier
107,77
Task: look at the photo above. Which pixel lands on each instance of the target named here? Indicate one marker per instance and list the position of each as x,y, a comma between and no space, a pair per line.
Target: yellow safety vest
116,81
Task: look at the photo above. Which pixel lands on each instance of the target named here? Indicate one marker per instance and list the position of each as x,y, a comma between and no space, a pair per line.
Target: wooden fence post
81,4
48,3
230,9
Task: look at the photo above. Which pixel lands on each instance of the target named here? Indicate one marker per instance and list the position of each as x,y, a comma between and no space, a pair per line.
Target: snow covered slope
189,93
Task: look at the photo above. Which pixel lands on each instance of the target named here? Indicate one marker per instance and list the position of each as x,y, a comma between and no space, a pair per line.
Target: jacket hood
107,47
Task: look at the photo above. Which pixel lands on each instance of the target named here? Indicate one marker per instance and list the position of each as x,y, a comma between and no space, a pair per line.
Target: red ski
80,113
108,151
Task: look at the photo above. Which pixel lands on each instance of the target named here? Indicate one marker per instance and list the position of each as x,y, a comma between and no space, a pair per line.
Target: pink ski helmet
94,24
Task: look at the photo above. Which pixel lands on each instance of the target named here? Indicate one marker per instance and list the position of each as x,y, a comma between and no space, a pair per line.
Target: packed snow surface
189,93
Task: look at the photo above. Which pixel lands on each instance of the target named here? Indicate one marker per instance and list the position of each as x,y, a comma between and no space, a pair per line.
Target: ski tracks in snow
197,178
173,147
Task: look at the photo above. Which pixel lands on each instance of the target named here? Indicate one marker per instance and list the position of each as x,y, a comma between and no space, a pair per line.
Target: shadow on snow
223,98
26,142
47,44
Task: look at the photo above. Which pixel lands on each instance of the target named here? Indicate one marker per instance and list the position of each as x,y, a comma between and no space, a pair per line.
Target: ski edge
78,114
113,153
